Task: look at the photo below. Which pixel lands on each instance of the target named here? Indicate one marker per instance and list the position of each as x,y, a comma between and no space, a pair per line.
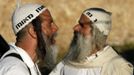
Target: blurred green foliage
126,50
125,47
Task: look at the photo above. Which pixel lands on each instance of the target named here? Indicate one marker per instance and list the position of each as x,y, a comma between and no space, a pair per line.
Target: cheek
46,31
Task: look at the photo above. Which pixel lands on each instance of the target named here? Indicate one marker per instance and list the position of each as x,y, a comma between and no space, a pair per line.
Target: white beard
84,46
80,48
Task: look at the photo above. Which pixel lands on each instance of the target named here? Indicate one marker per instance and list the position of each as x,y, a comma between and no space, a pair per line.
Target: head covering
24,14
100,18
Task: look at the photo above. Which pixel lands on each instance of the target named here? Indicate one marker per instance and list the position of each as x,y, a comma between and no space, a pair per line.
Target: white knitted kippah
24,14
100,19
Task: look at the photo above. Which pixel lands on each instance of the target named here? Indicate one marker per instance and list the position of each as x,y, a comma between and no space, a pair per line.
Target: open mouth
53,41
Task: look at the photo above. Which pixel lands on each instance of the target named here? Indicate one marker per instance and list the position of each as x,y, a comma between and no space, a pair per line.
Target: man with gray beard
35,33
89,54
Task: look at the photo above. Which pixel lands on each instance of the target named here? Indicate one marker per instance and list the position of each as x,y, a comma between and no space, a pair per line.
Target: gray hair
97,42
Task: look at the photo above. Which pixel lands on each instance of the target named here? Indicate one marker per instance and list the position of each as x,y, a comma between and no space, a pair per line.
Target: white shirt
105,62
14,66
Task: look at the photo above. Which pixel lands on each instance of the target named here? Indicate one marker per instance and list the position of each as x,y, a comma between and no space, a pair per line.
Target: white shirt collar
26,58
93,56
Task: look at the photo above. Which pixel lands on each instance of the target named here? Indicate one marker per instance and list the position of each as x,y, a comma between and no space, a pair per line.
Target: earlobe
32,32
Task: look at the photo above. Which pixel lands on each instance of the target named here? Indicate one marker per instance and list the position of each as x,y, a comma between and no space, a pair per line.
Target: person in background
89,53
35,33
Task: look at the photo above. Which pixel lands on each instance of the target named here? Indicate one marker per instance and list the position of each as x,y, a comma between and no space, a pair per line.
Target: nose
77,28
54,28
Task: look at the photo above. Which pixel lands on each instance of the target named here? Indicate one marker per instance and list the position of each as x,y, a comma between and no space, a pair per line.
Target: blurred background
66,14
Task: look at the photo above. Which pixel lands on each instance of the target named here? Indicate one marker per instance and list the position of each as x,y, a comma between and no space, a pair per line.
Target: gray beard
51,54
80,48
84,47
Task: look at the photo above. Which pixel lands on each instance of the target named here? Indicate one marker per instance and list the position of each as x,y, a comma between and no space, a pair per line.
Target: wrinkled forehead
96,15
101,19
84,19
45,14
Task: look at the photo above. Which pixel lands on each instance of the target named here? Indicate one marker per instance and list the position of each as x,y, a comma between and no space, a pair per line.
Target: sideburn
41,51
99,40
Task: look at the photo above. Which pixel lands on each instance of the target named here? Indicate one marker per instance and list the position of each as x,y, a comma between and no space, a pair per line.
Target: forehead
45,14
84,19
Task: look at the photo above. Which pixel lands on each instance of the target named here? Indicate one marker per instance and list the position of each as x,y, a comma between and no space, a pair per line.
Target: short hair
21,34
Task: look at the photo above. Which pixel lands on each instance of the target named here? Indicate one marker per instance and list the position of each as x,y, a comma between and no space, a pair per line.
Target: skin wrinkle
49,32
87,40
42,39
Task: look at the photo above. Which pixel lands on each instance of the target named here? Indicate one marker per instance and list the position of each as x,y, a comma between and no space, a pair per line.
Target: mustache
76,34
53,36
75,37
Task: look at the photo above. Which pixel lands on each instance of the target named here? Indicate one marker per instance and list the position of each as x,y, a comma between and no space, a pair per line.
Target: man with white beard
89,54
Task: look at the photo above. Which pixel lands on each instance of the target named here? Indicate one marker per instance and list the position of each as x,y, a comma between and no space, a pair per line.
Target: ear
32,32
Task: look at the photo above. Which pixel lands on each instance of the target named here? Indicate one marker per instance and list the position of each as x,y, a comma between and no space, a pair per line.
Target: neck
29,48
